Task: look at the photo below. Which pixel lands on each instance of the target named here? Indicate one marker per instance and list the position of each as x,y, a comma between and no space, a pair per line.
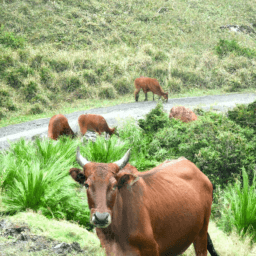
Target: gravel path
116,113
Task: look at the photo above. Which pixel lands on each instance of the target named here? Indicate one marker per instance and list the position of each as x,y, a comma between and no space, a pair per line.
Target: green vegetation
35,174
57,56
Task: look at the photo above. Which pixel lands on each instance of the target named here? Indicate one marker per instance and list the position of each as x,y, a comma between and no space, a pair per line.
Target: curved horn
124,160
80,159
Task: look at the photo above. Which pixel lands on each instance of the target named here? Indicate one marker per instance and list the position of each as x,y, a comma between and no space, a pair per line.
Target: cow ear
77,175
125,179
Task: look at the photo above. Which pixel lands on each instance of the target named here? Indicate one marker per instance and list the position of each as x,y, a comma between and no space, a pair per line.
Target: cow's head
102,182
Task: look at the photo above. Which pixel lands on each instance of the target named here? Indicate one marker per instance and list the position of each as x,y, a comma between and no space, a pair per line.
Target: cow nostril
101,217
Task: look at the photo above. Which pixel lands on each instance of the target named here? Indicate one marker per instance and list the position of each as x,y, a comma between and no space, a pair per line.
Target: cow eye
86,185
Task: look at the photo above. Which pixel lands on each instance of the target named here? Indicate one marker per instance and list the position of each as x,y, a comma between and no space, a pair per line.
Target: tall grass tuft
239,207
105,151
35,176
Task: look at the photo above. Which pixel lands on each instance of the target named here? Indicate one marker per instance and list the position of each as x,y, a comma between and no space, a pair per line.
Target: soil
18,240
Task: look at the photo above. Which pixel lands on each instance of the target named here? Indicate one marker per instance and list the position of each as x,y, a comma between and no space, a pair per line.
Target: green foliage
244,115
34,175
215,144
36,109
14,79
231,46
123,85
90,76
70,83
8,39
107,91
156,119
5,100
30,90
238,209
105,151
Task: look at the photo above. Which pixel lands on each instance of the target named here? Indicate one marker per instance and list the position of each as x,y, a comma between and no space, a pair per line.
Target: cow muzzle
101,220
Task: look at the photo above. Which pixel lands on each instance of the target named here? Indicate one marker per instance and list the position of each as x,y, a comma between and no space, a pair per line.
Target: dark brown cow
155,213
148,84
58,126
95,123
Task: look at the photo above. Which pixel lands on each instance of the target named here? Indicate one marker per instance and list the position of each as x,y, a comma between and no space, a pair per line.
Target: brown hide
95,123
58,126
148,85
160,212
186,115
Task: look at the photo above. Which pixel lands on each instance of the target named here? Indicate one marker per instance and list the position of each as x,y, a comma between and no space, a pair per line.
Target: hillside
57,53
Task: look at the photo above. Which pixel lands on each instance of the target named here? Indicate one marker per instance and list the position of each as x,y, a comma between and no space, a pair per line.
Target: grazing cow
155,213
58,126
186,115
148,85
95,123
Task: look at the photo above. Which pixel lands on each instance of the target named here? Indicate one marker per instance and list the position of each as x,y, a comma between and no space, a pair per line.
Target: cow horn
80,159
124,160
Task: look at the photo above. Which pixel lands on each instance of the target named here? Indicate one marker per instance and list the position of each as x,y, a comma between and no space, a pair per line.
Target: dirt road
115,114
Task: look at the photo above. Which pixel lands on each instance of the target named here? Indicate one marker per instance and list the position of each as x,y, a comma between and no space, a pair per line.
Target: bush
10,40
107,91
30,90
215,144
123,85
70,83
244,115
13,78
6,101
156,119
226,46
90,76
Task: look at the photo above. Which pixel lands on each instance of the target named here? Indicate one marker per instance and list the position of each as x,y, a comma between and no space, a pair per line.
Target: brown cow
95,123
148,84
186,115
155,213
58,126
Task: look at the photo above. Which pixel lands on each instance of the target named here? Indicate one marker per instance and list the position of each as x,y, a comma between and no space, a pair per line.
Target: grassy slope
61,230
75,51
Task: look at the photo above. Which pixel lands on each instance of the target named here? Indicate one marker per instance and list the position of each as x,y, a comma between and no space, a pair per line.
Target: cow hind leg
200,244
136,94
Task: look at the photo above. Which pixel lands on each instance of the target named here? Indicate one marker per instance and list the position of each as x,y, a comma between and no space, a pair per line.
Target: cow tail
210,246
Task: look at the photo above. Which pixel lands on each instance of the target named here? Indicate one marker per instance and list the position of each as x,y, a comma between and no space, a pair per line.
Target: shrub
226,46
123,85
5,100
36,109
59,66
244,115
107,91
215,144
46,76
238,209
156,119
70,83
30,90
13,78
90,76
10,40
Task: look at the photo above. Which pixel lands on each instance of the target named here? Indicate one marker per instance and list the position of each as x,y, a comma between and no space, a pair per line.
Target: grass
60,230
56,55
226,245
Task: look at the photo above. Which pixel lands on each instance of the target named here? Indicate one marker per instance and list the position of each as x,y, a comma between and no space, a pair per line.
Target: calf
95,123
148,85
160,212
58,126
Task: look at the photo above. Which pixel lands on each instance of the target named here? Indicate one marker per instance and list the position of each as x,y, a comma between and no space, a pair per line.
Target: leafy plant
10,40
156,119
239,207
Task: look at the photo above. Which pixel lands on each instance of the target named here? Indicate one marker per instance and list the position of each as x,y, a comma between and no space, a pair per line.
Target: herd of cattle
160,212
